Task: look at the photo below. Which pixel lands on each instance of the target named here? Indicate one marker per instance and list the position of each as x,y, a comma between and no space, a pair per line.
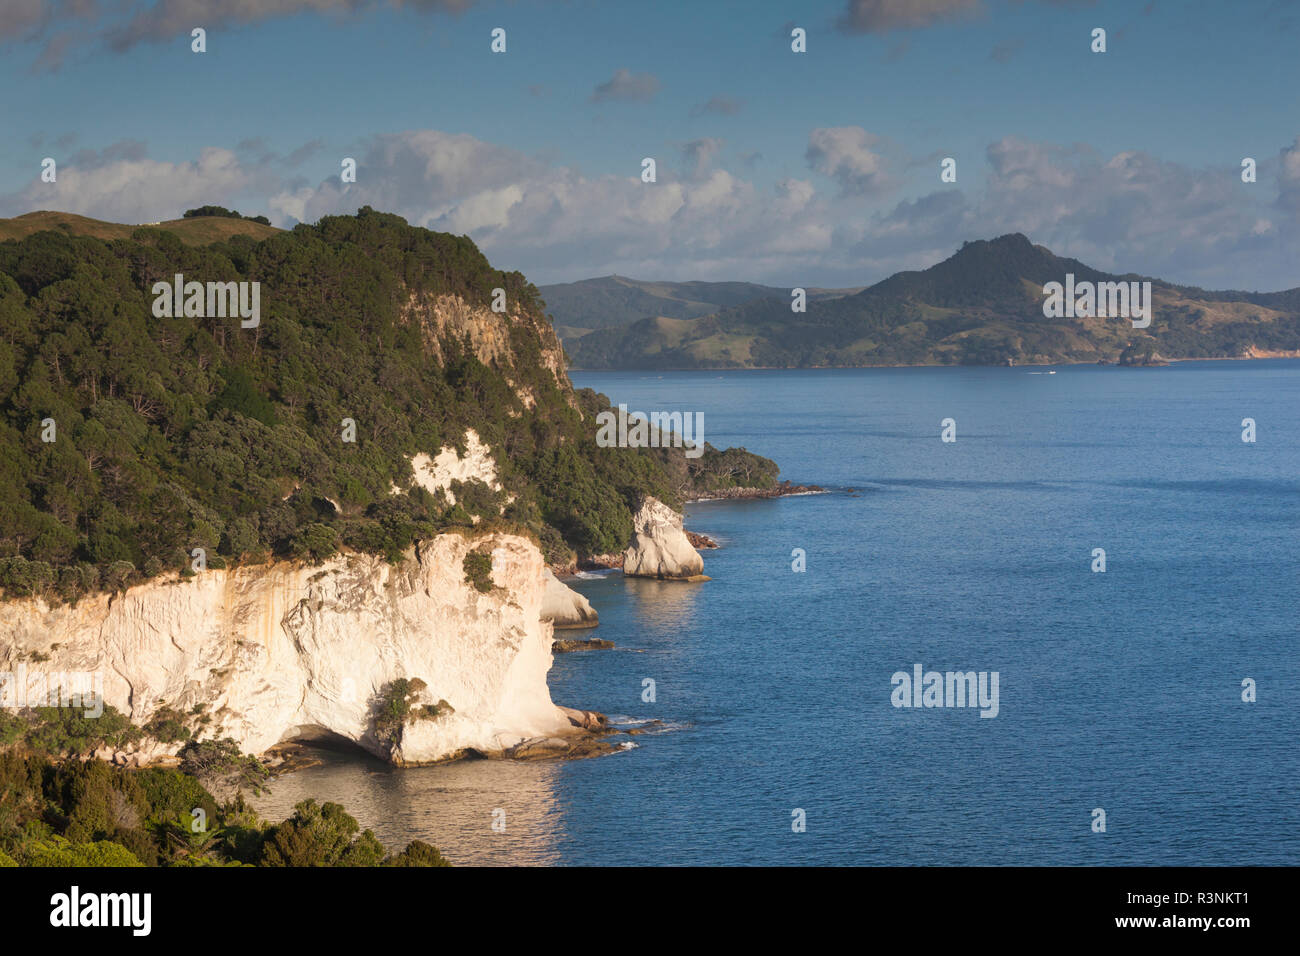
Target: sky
815,168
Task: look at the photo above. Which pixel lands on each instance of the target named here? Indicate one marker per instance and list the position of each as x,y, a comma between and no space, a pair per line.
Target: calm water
1119,690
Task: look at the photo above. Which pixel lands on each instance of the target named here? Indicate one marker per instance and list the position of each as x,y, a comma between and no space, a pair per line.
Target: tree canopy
128,441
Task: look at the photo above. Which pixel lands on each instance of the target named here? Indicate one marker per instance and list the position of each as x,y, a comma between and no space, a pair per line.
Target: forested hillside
171,434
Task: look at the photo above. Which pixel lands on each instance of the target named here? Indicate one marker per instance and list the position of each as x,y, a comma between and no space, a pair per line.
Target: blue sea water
1119,690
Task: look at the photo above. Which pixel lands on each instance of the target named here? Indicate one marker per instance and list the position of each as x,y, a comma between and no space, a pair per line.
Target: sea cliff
294,651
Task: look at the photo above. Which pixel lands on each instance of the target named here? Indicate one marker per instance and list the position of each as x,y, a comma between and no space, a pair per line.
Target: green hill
982,306
580,307
171,434
195,231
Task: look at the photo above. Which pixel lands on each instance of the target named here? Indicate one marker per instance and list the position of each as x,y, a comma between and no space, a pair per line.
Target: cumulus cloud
882,16
699,154
168,18
19,16
1130,211
847,154
626,85
1127,211
62,25
121,184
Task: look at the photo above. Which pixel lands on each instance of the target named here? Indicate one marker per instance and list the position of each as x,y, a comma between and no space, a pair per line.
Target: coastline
1260,355
784,489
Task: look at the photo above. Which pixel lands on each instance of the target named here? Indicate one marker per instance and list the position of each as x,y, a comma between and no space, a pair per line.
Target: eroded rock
565,607
661,548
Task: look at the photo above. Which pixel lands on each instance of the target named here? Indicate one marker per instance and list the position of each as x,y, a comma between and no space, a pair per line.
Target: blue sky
818,168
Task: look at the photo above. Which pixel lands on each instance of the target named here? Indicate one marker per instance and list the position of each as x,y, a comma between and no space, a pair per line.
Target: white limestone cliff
661,548
565,607
287,651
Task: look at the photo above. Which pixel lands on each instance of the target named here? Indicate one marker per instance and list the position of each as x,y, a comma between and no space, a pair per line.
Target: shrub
222,760
418,853
316,542
320,835
391,709
58,851
478,570
167,726
56,731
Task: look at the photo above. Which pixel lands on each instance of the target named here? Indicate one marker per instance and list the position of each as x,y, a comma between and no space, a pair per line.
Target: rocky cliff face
661,548
291,651
488,334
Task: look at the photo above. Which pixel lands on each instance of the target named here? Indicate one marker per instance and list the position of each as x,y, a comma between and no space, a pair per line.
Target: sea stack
660,548
565,607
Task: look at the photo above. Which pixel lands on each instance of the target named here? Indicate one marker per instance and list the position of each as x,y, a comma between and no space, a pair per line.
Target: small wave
623,720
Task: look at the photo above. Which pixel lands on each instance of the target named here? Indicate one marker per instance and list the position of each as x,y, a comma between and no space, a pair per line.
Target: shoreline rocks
591,644
700,541
781,490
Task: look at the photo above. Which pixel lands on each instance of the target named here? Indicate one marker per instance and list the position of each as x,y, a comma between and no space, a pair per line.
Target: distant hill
981,306
195,231
579,307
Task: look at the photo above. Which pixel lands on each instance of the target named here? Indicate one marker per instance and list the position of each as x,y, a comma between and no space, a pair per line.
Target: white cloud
1126,211
121,185
846,154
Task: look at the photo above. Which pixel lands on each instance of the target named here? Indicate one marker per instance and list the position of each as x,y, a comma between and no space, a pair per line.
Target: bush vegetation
91,813
178,433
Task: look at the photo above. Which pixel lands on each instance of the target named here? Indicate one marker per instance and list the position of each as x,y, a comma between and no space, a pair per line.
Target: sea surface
1120,691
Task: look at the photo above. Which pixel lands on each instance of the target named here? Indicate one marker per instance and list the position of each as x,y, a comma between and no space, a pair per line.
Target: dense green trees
91,813
224,213
127,441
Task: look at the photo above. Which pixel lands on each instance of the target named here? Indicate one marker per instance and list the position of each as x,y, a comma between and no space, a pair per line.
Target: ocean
780,743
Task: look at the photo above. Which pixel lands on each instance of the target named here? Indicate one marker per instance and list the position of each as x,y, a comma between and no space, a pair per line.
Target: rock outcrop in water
565,607
660,548
292,651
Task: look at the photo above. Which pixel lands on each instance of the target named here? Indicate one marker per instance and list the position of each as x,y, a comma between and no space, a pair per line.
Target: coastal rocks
569,748
661,548
291,651
781,490
564,607
591,644
700,541
1142,355
584,739
585,719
